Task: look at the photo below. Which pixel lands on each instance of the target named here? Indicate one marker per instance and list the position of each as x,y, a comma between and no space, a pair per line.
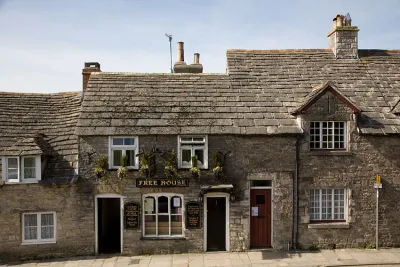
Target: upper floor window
163,214
189,146
39,227
328,135
328,205
21,169
124,146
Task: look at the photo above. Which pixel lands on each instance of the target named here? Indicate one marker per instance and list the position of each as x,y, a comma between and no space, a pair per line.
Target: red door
260,222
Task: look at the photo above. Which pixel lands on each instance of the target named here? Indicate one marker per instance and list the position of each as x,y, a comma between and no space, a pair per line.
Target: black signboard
181,182
193,215
132,214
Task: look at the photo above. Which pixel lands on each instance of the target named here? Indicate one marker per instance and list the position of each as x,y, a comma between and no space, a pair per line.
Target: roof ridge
159,73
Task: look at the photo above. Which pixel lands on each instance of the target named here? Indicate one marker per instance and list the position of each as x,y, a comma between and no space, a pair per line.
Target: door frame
96,221
227,236
272,210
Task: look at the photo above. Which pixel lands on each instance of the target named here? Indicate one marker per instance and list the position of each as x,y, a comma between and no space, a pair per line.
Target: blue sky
44,43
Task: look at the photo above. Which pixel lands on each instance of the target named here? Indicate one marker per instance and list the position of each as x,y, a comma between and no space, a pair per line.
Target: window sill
38,243
341,225
32,182
329,153
163,238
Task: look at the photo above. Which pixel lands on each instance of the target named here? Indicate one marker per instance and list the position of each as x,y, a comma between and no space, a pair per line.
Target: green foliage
102,162
216,160
370,246
124,161
194,161
313,248
217,171
170,170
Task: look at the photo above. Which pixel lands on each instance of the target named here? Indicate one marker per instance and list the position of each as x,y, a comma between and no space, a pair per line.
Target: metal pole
170,52
377,218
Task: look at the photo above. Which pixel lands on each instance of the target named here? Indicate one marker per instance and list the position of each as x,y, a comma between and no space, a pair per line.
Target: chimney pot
196,58
181,52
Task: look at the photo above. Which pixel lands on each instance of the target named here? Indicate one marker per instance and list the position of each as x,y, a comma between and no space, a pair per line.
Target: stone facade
353,170
249,158
74,209
344,42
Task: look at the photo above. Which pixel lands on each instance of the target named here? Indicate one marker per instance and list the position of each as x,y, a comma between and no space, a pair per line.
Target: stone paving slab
264,258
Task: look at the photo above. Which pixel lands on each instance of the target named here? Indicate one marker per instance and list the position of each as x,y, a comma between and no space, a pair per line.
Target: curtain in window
30,226
47,228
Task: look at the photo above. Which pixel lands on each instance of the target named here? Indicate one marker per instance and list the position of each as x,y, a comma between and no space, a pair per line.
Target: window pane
150,225
117,141
131,157
163,224
29,168
186,139
176,205
149,205
162,205
198,139
12,168
186,157
176,224
261,183
200,156
129,141
117,156
30,226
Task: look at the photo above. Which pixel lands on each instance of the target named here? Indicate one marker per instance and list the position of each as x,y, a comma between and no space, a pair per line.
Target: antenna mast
170,49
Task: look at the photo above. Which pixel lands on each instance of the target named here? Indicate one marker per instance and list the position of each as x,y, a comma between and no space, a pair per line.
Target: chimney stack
87,70
180,65
343,38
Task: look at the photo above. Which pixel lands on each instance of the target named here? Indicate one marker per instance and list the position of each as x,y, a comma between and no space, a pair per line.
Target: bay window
163,215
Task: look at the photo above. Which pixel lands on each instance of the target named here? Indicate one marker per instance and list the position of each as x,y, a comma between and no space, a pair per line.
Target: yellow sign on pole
378,179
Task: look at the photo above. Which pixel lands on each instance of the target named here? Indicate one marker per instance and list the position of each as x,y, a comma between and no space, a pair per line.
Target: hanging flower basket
218,172
195,172
122,173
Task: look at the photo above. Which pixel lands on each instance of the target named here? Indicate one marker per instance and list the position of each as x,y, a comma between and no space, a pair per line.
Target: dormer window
328,135
22,169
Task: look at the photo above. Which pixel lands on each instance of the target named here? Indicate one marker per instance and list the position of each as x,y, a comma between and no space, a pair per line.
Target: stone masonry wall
354,170
268,157
344,42
73,206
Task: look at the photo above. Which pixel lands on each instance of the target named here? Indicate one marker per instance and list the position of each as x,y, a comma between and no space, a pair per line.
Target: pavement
265,258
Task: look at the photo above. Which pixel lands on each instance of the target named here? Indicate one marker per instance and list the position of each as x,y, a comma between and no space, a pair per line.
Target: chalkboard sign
132,214
193,215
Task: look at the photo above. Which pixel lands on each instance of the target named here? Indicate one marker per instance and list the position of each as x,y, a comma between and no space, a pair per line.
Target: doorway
261,219
108,224
216,222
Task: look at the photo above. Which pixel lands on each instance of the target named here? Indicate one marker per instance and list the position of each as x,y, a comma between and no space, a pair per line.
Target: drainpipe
295,198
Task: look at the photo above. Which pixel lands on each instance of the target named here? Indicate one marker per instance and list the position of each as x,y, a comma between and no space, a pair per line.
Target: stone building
288,144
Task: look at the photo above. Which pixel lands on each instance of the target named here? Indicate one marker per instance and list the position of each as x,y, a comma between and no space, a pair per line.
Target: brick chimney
87,70
343,38
181,67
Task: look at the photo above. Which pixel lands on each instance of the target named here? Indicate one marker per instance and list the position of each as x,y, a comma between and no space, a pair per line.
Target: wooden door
216,223
260,222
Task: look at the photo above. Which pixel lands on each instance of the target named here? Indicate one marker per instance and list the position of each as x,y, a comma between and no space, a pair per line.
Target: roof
32,124
256,96
320,90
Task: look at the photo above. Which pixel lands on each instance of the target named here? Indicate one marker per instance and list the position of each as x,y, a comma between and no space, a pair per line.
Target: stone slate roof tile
42,124
256,96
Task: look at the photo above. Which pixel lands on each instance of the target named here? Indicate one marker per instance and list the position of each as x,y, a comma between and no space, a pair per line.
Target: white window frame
169,196
192,148
333,135
39,240
333,213
21,178
112,147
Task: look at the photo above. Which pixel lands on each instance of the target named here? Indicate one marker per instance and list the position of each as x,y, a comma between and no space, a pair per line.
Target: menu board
193,215
132,214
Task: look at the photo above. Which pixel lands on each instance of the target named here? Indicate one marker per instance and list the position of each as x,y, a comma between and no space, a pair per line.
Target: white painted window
39,227
328,135
26,169
124,146
189,146
163,214
328,205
